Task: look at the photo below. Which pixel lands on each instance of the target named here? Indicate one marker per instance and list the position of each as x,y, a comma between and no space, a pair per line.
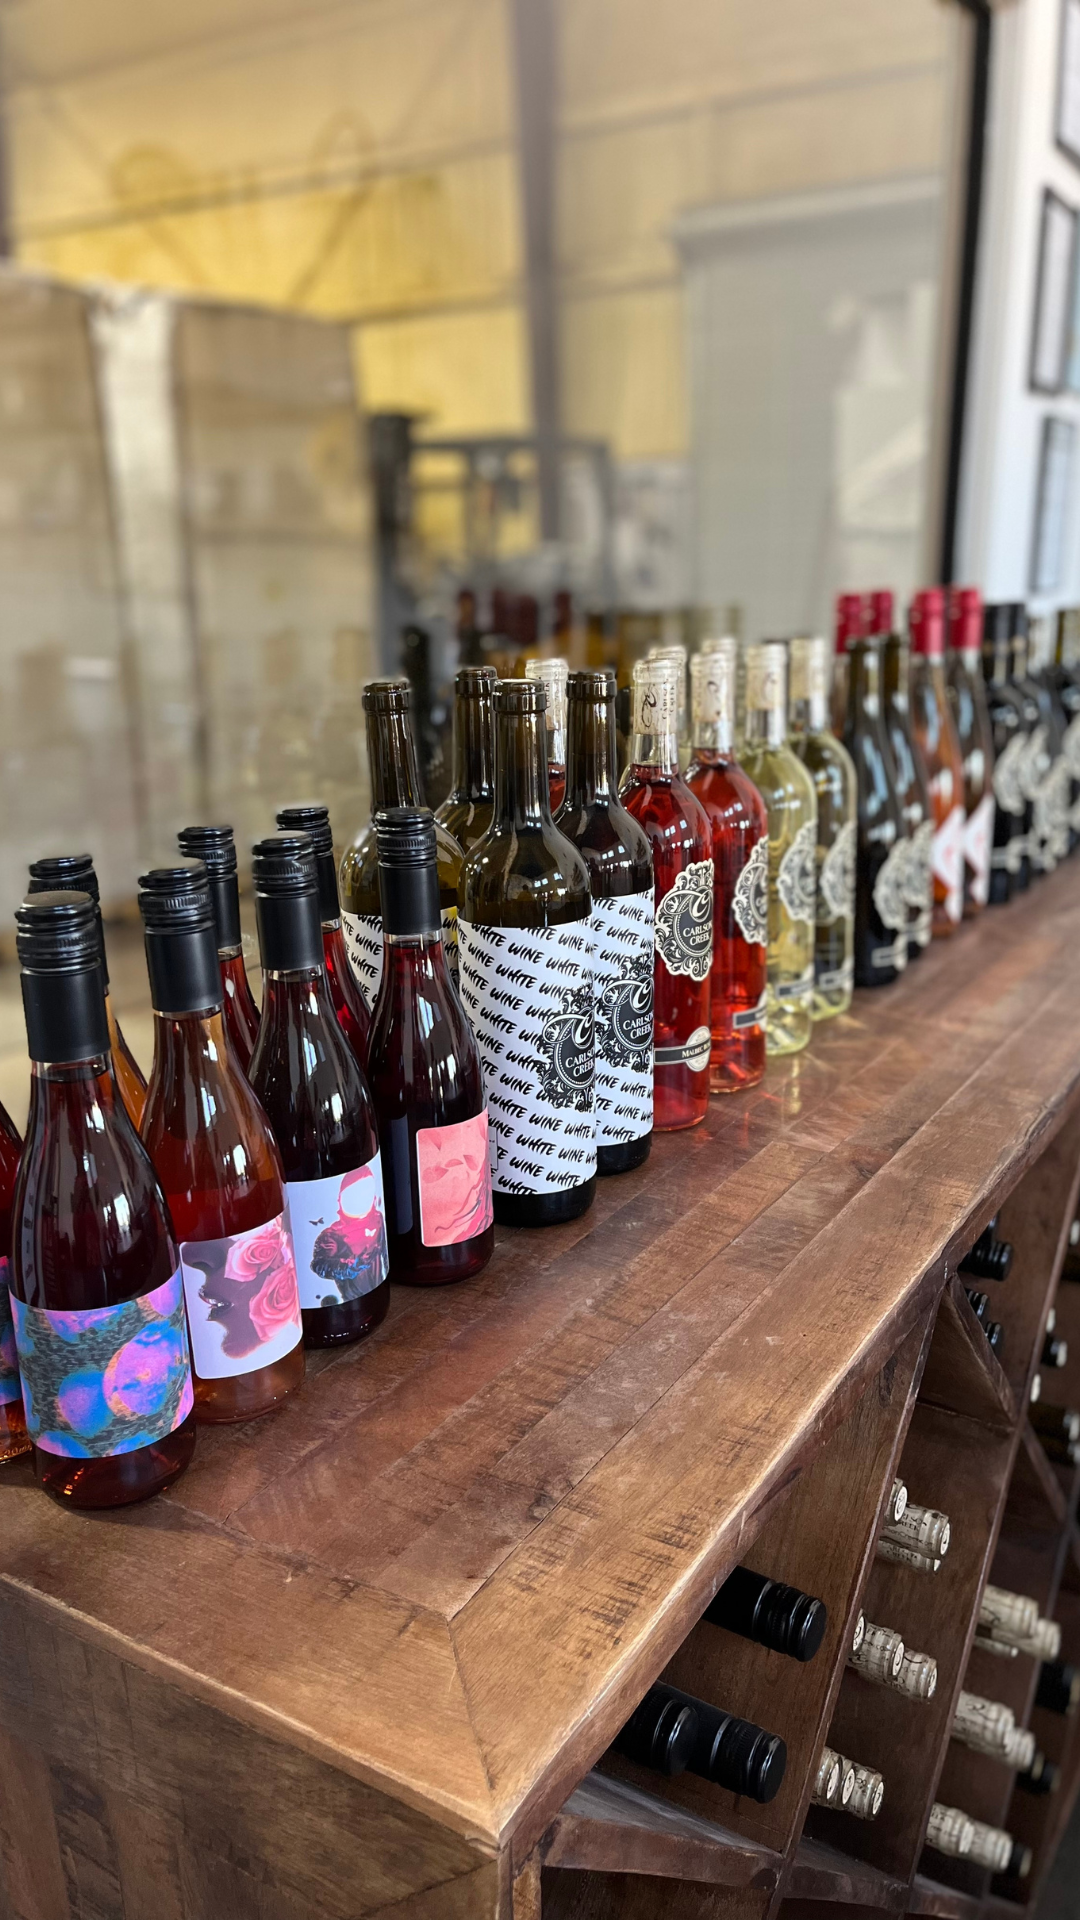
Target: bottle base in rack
244,1396
340,1324
625,1157
14,1439
544,1209
120,1479
420,1266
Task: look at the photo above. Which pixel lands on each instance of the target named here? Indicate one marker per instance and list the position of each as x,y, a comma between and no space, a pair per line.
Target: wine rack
372,1656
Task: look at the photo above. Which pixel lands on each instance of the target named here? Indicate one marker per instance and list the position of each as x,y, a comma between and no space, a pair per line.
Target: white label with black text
364,946
684,922
622,937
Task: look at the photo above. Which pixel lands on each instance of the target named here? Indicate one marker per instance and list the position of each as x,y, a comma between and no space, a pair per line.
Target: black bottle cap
1019,1865
591,683
520,696
287,902
1059,1687
181,938
980,1304
312,818
737,1754
1043,1776
660,1732
216,848
58,938
387,696
408,875
783,1618
60,872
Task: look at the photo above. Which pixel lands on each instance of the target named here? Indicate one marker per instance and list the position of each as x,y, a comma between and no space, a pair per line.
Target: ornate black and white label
364,946
528,993
836,878
796,881
890,886
1008,790
622,934
750,902
684,922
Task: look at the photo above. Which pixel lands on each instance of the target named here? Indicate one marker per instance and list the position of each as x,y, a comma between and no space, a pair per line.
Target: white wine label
978,843
1008,790
750,901
693,1053
891,887
949,861
622,935
800,988
528,993
364,946
836,879
448,916
836,979
684,922
796,882
751,1016
656,704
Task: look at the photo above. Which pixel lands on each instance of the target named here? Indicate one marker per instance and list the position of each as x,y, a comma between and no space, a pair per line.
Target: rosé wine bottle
351,1008
216,848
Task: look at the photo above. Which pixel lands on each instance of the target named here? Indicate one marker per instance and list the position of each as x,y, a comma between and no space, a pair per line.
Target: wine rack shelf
369,1656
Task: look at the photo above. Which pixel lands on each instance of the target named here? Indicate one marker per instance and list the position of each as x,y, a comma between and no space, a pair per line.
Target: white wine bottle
791,804
992,1847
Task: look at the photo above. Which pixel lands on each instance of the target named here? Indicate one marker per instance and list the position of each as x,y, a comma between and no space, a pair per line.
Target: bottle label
749,1017
623,960
684,922
10,1389
836,879
242,1299
839,979
656,705
1034,763
799,988
338,1228
453,1170
693,1053
949,860
1008,790
891,887
978,845
796,881
750,902
364,946
895,955
448,916
918,879
105,1380
529,997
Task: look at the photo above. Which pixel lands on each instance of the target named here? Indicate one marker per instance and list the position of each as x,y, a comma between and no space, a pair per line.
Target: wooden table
363,1657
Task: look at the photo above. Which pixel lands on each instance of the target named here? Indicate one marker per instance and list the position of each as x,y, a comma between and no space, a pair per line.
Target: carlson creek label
339,1235
622,934
796,882
9,1358
684,922
242,1299
105,1380
364,946
528,992
836,878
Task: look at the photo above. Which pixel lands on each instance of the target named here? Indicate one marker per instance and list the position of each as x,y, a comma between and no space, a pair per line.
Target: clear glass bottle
791,804
912,792
935,737
76,870
740,845
967,698
312,818
881,862
829,766
467,810
552,676
216,848
677,828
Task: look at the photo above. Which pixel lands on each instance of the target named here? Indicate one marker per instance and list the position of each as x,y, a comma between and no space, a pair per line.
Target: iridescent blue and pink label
105,1380
242,1300
9,1358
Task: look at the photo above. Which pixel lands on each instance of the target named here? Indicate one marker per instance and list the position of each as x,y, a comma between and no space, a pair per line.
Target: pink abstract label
454,1173
242,1299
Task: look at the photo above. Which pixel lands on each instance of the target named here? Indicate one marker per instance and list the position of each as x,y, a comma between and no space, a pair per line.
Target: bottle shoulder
780,777
612,844
728,795
532,876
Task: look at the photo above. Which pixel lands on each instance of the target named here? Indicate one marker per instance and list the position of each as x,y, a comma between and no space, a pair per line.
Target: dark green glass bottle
467,810
881,907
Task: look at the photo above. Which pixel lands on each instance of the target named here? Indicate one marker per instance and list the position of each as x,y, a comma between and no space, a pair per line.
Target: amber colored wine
96,1290
312,818
216,848
526,980
881,844
935,737
76,870
215,1156
467,810
967,699
740,851
424,1068
14,1439
616,852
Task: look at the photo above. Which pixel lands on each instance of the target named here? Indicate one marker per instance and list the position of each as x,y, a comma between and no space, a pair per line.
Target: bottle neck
329,898
225,899
655,739
294,991
765,726
521,775
896,673
66,1014
189,1047
996,662
864,686
474,749
81,1091
591,772
395,770
810,713
712,703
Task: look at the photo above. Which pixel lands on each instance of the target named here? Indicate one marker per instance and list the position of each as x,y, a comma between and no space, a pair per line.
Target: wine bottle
950,1831
740,851
1058,1687
216,848
791,805
989,1726
1010,867
993,1848
311,1087
395,782
76,870
776,1616
971,716
552,675
990,1258
14,1439
882,844
831,1780
980,1305
616,853
922,1530
842,1784
1034,764
349,1005
1042,760
906,1557
829,765
680,838
995,1336
882,1656
730,1752
526,981
1011,1621
939,749
896,1506
675,654
1020,1749
913,795
96,1293
1041,1777
466,812
1055,1423
867,1792
1055,1351
1066,674
851,624
424,1068
215,1156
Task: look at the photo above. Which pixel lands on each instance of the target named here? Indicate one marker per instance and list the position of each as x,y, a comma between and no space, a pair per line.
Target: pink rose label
242,1299
454,1174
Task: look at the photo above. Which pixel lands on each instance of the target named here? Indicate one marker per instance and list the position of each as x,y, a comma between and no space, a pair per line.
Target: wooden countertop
452,1565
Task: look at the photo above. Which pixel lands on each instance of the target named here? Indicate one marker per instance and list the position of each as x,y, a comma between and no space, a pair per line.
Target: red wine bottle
526,981
14,1439
616,852
216,848
76,870
313,1092
216,1159
680,836
96,1290
349,1003
424,1067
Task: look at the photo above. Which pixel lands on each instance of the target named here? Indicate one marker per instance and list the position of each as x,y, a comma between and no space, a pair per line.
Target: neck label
242,1299
339,1235
623,958
656,705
